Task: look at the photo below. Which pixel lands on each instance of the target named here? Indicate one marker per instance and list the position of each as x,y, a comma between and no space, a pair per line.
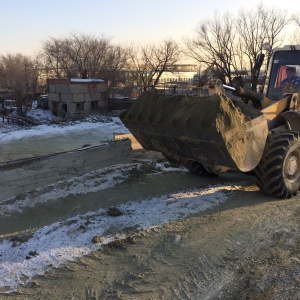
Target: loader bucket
212,129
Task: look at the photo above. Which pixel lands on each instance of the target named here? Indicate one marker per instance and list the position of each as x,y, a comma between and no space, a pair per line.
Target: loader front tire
278,172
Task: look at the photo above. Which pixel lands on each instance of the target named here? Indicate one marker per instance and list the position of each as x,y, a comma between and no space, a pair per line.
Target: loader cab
282,58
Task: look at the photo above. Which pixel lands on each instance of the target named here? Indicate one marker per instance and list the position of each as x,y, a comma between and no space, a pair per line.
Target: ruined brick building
75,97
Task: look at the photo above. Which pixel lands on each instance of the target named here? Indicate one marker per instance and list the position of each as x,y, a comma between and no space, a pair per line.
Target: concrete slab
21,176
135,145
138,152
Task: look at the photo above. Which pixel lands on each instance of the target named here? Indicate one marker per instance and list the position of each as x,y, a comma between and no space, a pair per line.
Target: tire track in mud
250,242
65,233
216,258
203,256
213,256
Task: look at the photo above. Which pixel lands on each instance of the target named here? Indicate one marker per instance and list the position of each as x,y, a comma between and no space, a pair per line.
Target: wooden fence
18,120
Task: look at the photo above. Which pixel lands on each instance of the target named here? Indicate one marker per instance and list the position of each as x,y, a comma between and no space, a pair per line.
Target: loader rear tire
278,172
196,168
171,159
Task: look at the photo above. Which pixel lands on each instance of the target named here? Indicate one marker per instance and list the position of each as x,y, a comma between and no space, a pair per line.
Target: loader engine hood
211,129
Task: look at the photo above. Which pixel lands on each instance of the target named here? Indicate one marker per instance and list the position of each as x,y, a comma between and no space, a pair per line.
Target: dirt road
245,248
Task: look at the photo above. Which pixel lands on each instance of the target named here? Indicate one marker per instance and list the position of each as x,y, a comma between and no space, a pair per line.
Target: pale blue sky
28,23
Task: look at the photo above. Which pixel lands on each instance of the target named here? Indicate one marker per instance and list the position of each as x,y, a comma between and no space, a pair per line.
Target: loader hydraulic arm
255,97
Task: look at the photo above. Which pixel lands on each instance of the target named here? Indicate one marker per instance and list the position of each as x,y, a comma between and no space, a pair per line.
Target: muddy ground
245,248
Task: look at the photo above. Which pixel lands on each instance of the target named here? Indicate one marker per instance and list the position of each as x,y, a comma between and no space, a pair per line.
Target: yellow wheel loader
232,128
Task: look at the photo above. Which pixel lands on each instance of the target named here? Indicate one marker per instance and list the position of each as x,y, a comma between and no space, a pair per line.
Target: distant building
179,73
76,97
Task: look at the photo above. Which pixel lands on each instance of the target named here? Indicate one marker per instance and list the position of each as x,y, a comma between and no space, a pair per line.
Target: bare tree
232,44
296,35
86,56
152,61
19,73
214,45
76,56
117,59
53,56
257,27
296,18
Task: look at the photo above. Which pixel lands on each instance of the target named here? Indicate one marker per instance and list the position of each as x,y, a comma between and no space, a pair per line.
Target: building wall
77,97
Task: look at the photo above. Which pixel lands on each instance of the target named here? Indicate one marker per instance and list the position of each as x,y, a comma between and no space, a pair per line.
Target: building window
80,107
65,107
94,105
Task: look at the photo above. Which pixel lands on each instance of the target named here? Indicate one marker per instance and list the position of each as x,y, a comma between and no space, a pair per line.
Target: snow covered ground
48,126
23,257
52,137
